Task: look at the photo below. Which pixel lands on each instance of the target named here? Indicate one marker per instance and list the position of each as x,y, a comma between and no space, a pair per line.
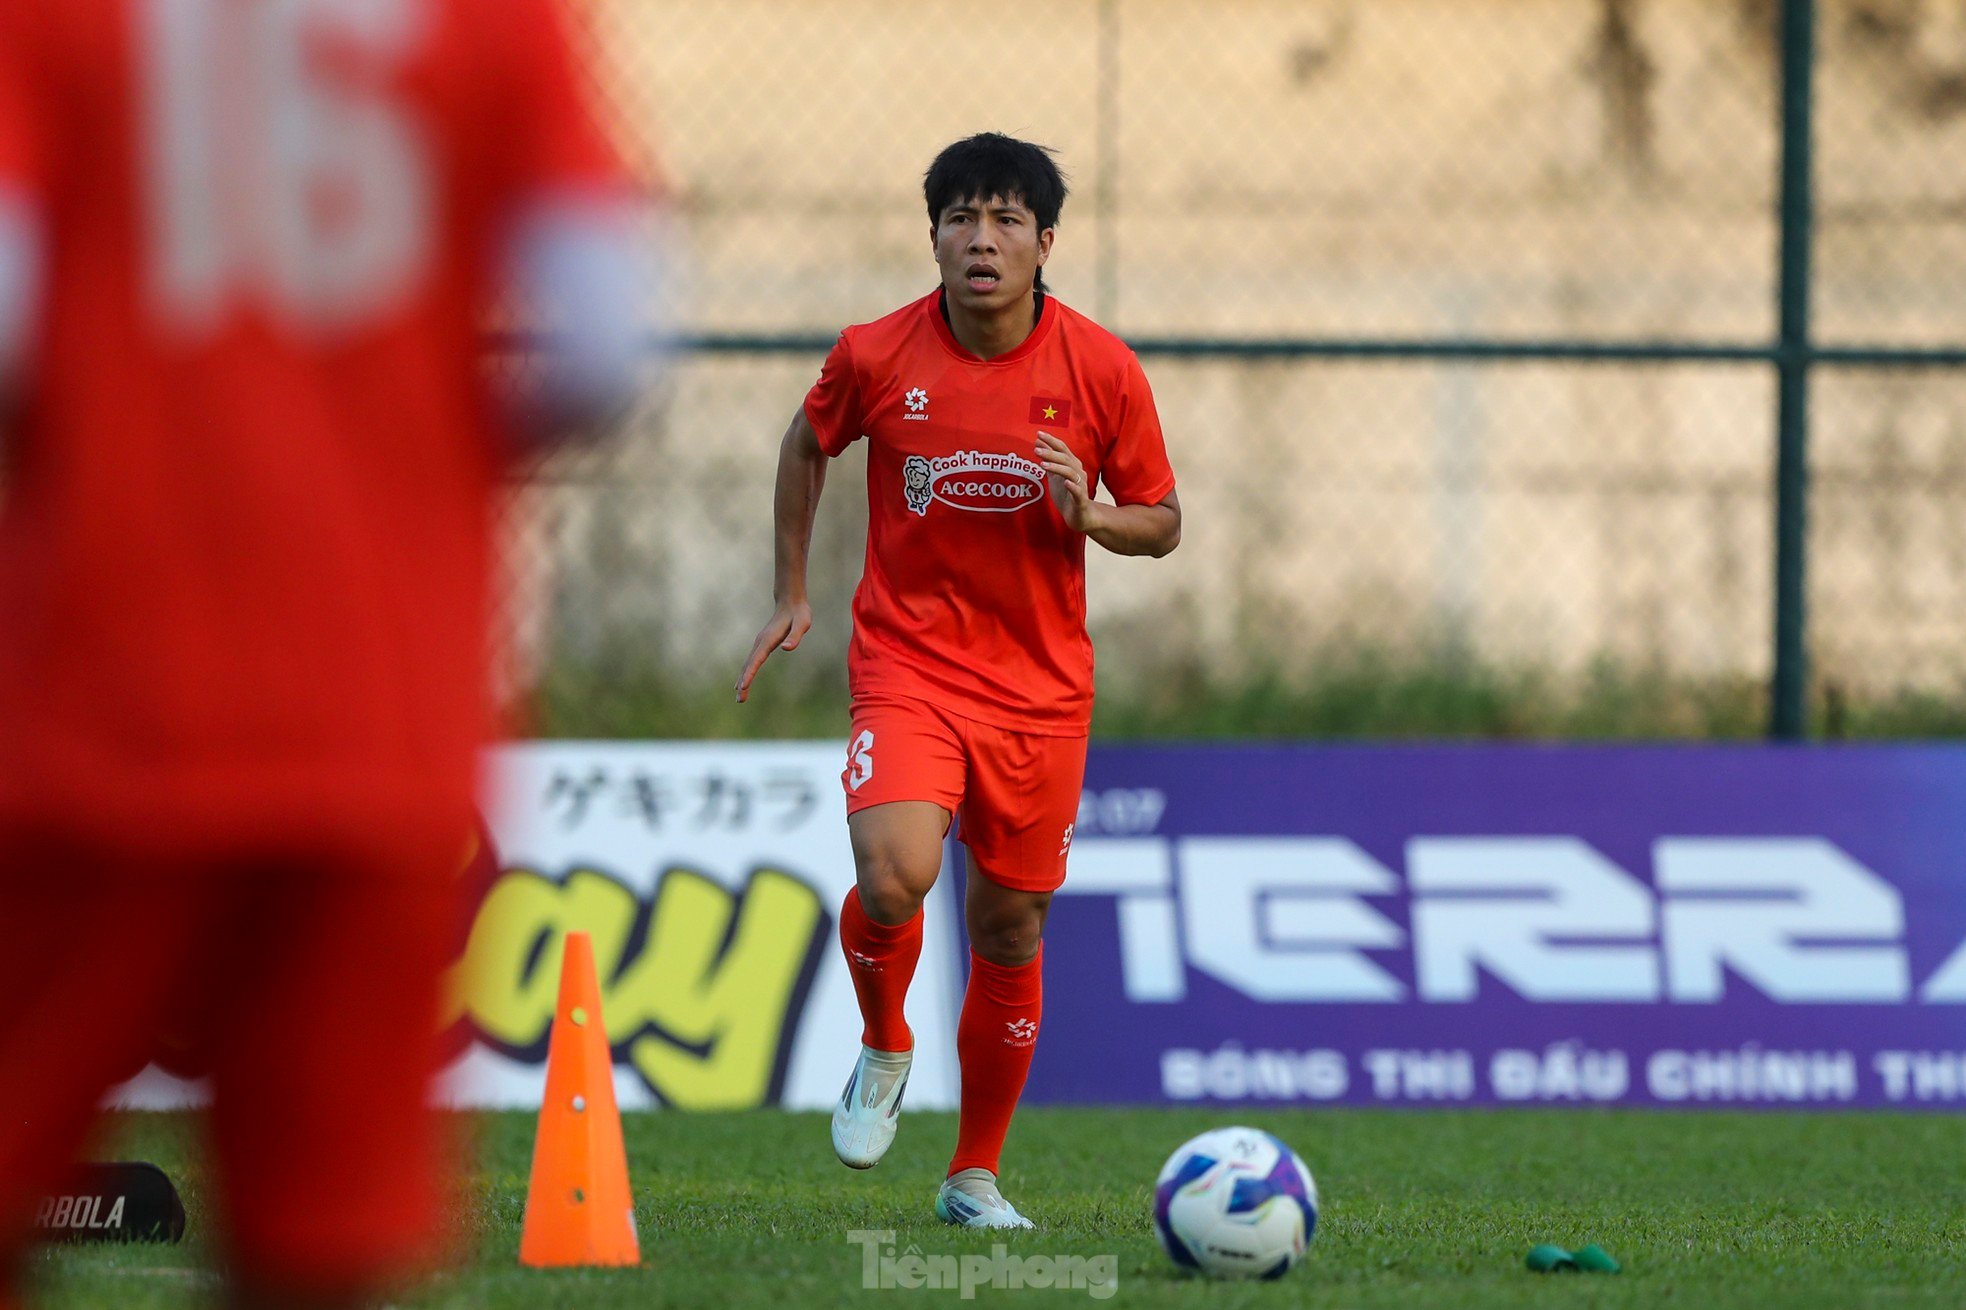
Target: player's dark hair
991,164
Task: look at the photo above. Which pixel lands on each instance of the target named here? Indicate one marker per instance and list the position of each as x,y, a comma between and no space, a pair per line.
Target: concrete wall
1594,168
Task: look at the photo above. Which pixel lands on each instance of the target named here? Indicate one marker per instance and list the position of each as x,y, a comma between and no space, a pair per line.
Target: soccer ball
1235,1203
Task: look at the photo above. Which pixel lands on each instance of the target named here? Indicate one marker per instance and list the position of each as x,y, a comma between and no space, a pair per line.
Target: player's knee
891,888
1009,940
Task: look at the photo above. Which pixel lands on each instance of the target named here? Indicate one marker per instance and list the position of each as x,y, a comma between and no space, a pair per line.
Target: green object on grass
1549,1259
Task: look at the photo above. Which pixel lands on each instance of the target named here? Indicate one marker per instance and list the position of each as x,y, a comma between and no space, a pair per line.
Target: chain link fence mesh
1523,543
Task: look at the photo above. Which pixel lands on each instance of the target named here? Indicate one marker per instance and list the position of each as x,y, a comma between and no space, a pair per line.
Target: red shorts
305,979
1015,795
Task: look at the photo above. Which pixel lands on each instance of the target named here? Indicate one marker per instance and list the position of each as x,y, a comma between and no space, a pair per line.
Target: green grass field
1332,694
1420,1210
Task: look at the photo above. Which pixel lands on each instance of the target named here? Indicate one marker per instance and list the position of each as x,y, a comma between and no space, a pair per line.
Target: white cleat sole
864,1123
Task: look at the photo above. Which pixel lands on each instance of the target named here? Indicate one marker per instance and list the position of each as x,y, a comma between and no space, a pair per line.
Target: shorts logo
972,480
1022,1032
860,760
1066,845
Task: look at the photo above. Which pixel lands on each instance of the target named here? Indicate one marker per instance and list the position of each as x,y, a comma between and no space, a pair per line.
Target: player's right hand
787,626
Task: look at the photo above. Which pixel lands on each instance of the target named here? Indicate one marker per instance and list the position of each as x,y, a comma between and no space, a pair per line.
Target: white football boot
969,1198
870,1108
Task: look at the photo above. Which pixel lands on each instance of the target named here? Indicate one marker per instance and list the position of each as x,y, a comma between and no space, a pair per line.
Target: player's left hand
1071,490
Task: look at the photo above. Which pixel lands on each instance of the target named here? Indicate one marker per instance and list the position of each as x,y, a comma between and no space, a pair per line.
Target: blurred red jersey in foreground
247,248
243,556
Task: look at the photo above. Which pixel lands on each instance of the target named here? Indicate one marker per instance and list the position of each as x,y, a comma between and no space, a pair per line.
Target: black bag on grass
113,1203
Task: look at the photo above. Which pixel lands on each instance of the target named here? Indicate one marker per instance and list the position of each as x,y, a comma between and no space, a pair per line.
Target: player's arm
20,277
589,275
795,507
1123,529
583,242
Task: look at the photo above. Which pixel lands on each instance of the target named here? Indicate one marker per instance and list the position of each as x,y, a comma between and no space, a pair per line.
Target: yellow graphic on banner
701,987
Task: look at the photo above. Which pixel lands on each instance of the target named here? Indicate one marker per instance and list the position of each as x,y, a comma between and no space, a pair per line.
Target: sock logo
860,760
864,961
1022,1032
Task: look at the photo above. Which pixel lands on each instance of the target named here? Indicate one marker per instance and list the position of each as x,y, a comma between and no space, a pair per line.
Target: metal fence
1509,332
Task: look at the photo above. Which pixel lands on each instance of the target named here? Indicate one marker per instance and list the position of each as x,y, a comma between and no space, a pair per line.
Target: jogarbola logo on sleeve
972,480
702,987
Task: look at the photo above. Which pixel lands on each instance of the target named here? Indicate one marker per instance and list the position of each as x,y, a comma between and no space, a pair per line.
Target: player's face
990,252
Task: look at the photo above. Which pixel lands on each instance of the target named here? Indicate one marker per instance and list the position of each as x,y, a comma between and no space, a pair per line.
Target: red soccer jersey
245,543
973,595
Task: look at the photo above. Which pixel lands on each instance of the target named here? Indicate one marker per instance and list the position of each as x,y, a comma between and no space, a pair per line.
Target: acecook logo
972,480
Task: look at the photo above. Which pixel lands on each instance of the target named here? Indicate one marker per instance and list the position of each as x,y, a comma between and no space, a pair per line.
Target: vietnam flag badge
1052,410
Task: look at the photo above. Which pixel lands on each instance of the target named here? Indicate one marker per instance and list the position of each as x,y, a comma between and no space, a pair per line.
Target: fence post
1789,694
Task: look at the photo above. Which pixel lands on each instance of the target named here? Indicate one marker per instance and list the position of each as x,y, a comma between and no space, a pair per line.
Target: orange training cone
578,1208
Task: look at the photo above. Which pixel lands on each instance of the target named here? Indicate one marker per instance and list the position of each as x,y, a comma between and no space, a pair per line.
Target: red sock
881,957
995,1037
